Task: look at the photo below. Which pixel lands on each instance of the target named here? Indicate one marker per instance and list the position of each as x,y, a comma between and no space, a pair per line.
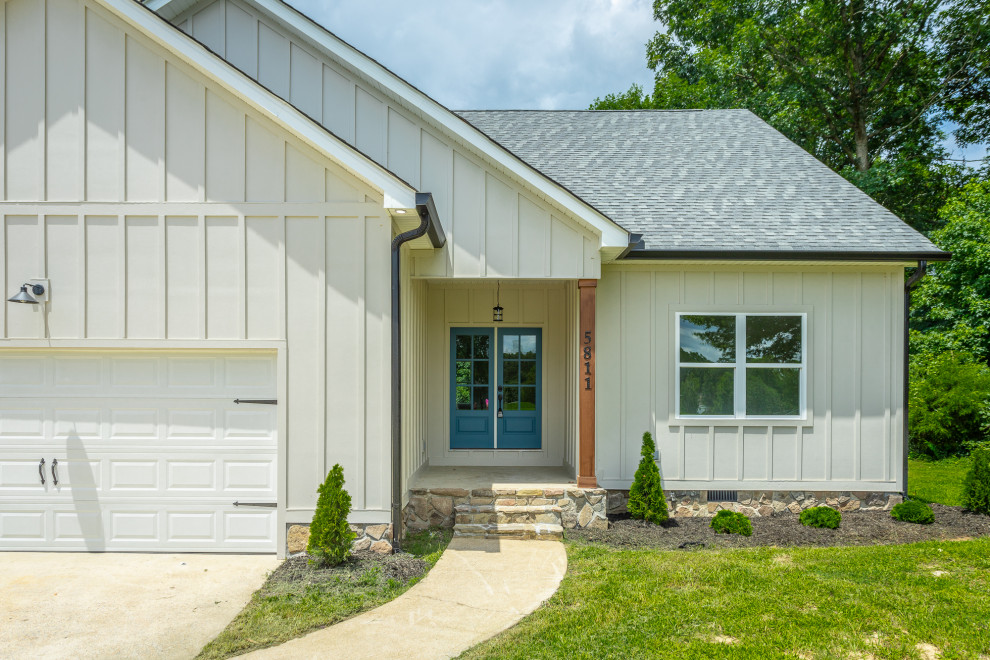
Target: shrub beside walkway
477,589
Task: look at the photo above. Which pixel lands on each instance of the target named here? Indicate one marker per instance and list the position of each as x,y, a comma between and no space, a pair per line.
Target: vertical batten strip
162,276
888,437
242,276
203,283
43,120
858,380
3,243
829,320
322,351
122,130
3,131
122,274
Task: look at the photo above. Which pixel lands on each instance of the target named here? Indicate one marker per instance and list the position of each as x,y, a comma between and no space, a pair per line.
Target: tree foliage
863,85
951,306
949,404
330,536
646,499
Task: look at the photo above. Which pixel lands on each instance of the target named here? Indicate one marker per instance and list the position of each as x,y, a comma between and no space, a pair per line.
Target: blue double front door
495,385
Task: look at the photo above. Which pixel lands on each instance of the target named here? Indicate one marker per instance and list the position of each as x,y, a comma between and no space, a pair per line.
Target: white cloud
500,53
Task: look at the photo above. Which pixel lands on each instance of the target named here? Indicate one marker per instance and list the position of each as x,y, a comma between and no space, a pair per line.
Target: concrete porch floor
471,477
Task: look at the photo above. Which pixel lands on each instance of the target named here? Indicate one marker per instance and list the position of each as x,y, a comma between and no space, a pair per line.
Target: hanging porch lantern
497,309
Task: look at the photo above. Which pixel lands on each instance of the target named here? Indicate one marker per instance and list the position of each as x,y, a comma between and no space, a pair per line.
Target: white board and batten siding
851,438
167,215
495,228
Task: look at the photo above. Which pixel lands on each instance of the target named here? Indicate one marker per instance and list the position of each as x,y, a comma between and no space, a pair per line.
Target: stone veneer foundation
762,503
575,507
372,536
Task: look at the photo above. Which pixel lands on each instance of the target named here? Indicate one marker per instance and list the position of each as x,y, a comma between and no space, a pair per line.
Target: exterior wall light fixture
26,297
497,309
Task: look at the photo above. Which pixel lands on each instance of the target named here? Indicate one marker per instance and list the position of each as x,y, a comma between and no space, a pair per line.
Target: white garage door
138,451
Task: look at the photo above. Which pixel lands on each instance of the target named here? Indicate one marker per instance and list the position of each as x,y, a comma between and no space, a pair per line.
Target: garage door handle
54,473
267,402
41,471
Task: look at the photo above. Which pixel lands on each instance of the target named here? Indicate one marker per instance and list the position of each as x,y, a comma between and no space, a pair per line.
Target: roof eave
786,255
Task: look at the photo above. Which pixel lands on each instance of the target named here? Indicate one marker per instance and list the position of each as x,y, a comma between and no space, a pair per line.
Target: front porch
532,502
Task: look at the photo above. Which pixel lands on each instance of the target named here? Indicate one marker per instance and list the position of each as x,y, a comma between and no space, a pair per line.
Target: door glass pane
774,339
707,391
527,344
462,348
773,392
527,372
462,396
481,373
510,372
510,346
511,400
708,339
527,398
481,347
480,398
463,371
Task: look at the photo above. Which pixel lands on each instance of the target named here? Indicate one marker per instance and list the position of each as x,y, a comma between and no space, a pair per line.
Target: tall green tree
951,307
863,85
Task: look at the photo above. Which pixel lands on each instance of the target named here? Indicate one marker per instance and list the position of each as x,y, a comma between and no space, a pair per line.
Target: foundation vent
723,496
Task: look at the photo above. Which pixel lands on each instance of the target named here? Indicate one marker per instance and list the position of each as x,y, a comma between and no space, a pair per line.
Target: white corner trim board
613,235
397,193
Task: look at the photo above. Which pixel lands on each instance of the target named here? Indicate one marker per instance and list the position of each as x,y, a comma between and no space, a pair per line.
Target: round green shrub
822,517
976,495
731,522
913,511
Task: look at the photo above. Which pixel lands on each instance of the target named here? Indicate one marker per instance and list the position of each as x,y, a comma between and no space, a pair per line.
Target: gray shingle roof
702,180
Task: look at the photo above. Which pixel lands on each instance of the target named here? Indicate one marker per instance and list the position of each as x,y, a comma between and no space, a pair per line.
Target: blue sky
496,54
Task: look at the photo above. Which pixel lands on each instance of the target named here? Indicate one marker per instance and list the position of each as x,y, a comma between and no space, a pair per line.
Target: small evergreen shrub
913,511
330,536
976,495
823,517
646,500
731,522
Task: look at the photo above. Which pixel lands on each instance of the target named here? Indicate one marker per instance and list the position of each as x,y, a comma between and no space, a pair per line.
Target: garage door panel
23,527
19,476
152,451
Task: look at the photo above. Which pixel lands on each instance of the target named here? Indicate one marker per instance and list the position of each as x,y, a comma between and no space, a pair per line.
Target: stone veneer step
527,531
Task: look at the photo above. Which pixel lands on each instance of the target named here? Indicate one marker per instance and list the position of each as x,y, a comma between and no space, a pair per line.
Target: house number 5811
586,356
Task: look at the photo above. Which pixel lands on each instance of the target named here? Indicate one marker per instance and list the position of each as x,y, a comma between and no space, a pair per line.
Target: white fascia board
169,8
612,234
397,193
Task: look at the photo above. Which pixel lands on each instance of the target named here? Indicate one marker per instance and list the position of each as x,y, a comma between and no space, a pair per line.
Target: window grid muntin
741,365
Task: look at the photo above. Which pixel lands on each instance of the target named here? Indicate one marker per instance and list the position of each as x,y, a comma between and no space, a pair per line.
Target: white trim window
741,366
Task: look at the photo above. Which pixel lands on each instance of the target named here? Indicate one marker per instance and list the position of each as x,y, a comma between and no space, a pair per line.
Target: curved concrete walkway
477,589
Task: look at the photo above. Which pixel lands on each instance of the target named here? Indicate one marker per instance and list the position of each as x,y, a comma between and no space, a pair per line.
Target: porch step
487,514
522,531
509,521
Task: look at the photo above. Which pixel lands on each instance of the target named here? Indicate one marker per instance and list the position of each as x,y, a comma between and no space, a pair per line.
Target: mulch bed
857,528
401,567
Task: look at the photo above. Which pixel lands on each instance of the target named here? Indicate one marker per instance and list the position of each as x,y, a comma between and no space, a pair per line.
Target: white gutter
397,193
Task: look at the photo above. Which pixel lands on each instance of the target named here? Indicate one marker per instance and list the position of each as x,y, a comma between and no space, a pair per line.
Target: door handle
54,473
499,413
41,471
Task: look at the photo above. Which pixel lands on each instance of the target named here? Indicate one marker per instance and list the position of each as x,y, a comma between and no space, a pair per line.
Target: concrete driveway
77,605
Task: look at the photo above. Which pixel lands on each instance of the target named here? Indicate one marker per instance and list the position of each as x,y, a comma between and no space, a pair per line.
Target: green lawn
938,481
282,610
854,602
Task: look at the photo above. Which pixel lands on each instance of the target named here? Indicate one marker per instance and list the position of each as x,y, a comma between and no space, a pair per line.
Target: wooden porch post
586,384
